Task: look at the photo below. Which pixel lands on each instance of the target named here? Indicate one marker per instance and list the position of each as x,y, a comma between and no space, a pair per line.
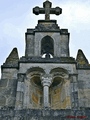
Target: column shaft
74,92
46,96
46,82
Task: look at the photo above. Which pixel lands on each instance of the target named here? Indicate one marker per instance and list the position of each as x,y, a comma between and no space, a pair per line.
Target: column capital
21,77
46,80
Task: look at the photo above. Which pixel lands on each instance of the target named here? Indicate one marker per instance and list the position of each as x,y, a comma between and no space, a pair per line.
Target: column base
46,108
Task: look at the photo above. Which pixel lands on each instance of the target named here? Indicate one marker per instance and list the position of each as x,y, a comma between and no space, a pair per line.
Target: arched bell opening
59,96
59,72
57,81
35,87
55,92
36,91
47,47
35,80
45,56
33,70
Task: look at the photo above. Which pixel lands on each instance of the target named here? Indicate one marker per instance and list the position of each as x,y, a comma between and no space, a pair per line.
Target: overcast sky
16,16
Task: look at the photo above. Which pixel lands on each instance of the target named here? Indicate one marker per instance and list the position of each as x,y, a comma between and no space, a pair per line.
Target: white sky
16,16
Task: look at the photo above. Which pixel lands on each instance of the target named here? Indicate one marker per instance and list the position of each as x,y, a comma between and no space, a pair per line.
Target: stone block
29,45
12,83
3,82
84,97
84,93
83,75
9,73
20,86
5,91
19,96
11,101
84,84
2,101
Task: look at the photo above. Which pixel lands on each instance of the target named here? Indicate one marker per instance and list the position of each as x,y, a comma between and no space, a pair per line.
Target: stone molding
49,60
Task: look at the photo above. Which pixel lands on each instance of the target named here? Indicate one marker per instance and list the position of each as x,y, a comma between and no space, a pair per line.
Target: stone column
20,92
46,81
74,92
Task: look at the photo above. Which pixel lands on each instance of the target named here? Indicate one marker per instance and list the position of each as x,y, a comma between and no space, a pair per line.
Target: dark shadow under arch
35,69
47,46
58,69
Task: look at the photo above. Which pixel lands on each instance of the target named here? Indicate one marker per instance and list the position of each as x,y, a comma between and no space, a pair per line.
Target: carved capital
21,77
46,80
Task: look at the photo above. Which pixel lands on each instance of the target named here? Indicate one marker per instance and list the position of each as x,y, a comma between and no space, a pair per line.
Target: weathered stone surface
20,87
81,59
48,67
19,100
84,76
11,101
64,94
82,62
84,97
31,114
12,83
47,26
45,60
12,60
8,92
35,98
2,101
84,84
9,73
3,82
47,10
29,51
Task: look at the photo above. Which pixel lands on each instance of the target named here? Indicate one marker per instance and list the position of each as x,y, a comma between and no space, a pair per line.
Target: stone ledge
64,32
83,67
47,60
9,66
47,21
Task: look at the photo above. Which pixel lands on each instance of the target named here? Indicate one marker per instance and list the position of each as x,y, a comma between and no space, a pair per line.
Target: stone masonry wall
44,114
7,92
84,88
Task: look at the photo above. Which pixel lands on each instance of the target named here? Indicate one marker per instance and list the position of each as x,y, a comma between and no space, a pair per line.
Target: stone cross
47,10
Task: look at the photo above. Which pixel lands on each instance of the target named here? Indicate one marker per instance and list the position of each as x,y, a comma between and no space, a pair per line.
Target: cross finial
47,10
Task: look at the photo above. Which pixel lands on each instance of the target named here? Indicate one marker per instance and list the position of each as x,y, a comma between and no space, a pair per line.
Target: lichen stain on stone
81,59
35,98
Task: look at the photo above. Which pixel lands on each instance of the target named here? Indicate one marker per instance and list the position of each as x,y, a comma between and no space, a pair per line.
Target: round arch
34,73
59,70
59,74
35,69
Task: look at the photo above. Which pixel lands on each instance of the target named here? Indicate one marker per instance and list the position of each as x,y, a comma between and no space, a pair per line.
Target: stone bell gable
46,80
47,37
